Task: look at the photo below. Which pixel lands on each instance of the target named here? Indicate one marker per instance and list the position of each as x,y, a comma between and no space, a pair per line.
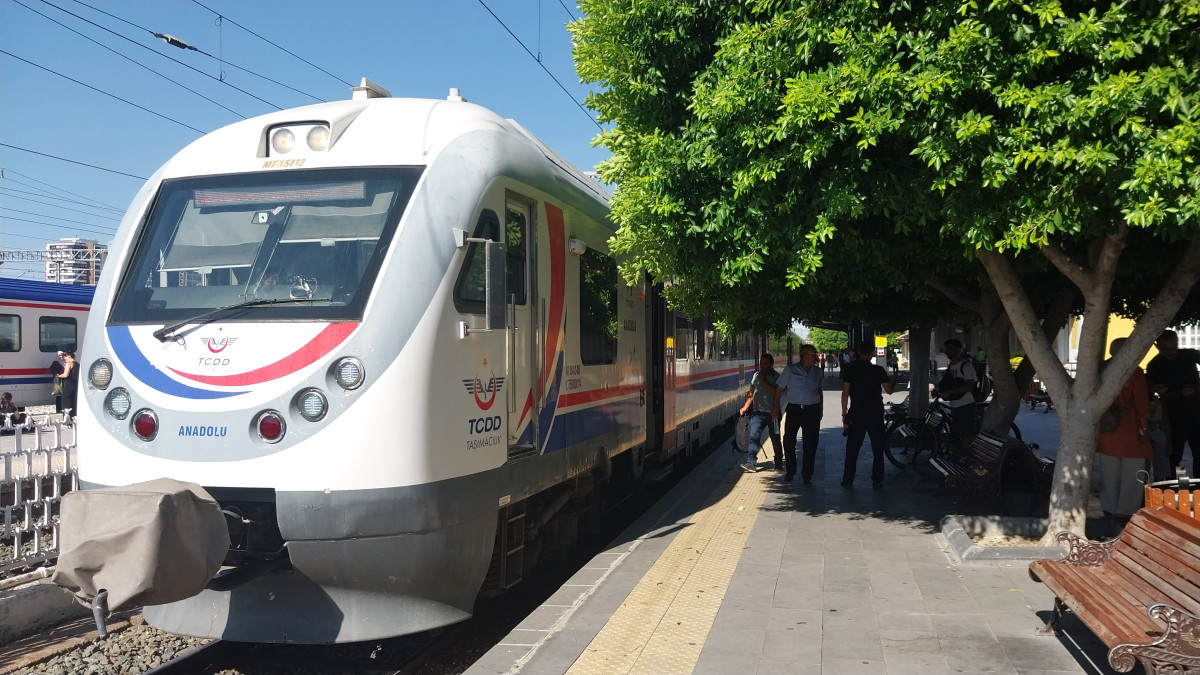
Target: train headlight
318,138
349,373
118,402
145,424
312,404
270,426
282,141
100,374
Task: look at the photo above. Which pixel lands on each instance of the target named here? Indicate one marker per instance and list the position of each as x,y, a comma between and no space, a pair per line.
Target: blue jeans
759,422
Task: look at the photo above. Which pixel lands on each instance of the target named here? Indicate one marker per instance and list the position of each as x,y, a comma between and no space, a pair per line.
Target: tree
764,139
828,341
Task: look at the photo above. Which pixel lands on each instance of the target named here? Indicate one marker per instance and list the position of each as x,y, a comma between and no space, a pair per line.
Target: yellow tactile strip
663,624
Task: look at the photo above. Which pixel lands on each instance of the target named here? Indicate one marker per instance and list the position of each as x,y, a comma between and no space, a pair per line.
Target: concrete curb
955,539
28,609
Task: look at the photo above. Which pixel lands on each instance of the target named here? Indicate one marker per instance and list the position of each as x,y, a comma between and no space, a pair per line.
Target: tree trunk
918,368
1072,469
1006,399
1080,401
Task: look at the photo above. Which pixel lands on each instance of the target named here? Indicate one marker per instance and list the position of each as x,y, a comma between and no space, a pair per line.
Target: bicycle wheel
909,442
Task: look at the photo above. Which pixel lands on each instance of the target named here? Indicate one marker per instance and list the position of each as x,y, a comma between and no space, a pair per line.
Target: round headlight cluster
318,138
349,373
312,404
100,374
118,402
282,141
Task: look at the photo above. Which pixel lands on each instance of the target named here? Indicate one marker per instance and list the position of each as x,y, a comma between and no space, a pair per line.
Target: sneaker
749,468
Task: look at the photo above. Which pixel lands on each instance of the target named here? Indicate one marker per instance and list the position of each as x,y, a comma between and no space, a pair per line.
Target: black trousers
1185,428
807,420
860,426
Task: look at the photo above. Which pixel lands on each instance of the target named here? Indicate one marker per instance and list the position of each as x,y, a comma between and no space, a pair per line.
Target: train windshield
315,239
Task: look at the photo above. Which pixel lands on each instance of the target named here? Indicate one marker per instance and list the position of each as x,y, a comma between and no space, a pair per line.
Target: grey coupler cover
146,544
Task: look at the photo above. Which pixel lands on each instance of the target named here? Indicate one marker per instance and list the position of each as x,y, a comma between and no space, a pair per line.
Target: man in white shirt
800,390
955,387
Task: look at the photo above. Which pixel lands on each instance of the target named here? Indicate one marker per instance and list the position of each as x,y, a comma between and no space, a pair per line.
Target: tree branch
1166,304
1070,269
1025,323
955,294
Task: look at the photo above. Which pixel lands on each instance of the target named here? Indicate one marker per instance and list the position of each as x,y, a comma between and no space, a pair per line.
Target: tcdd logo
481,425
484,390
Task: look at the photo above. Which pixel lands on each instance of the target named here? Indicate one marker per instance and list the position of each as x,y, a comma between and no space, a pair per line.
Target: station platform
737,572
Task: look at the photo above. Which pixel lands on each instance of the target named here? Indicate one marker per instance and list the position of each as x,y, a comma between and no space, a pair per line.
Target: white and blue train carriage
37,320
376,329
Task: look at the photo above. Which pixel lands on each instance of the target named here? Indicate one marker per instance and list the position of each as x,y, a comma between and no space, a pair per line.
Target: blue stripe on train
24,380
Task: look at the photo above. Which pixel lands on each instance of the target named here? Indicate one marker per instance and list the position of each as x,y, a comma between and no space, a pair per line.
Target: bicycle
920,439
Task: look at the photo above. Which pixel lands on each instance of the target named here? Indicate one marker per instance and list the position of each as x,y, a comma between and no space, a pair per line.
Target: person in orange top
1126,449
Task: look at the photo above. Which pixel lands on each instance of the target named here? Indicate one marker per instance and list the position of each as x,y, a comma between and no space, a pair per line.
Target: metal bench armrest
1177,650
1084,552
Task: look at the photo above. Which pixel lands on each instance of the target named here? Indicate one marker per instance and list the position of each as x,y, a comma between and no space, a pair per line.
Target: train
387,336
37,320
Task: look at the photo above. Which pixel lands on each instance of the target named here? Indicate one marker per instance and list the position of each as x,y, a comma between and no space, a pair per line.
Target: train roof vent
369,89
455,96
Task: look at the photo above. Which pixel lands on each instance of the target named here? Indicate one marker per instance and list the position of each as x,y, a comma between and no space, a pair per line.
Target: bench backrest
1183,501
1158,557
988,448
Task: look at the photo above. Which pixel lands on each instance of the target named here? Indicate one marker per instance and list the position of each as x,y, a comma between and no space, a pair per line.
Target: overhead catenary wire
131,60
10,192
169,58
226,18
539,62
569,12
7,174
65,220
101,91
174,41
39,222
70,161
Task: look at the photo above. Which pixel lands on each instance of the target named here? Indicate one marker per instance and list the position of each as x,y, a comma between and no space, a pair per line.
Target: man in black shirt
1173,376
861,382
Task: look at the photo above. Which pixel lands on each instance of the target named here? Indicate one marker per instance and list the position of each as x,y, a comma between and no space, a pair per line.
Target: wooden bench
1180,500
979,470
1139,593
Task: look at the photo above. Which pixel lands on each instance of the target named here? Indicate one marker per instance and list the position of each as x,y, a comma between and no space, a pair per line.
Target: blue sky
417,48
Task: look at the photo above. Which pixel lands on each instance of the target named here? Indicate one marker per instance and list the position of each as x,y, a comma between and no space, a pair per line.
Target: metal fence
38,469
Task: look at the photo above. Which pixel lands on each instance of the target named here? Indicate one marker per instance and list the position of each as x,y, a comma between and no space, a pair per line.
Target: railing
38,469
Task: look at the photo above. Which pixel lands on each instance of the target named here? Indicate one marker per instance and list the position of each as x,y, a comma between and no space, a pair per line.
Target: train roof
365,131
45,291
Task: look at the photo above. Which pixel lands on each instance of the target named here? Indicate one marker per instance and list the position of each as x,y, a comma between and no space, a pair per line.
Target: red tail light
145,424
270,426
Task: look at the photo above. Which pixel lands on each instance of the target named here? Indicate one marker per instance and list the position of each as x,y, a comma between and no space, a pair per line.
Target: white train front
302,314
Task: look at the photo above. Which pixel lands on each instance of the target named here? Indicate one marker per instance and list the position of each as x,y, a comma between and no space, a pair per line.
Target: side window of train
516,227
10,333
597,308
683,338
56,333
470,288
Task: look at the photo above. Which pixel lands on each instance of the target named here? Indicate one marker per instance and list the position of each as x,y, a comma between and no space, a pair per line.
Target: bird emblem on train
217,344
484,391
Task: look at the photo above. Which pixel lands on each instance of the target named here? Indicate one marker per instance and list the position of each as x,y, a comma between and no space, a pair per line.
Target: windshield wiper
168,332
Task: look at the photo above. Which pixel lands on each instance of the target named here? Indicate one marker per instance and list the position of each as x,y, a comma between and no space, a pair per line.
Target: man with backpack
956,387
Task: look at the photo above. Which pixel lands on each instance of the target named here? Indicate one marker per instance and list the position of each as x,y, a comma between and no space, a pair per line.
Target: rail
38,468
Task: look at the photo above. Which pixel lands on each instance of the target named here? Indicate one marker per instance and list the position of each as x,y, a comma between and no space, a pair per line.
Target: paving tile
844,597
724,663
919,655
1015,624
1001,599
748,641
1035,653
786,645
798,597
977,655
972,626
542,617
799,620
859,666
941,605
904,621
838,574
864,644
771,667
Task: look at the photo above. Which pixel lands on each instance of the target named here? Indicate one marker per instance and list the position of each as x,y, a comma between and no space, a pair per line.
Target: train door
524,394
